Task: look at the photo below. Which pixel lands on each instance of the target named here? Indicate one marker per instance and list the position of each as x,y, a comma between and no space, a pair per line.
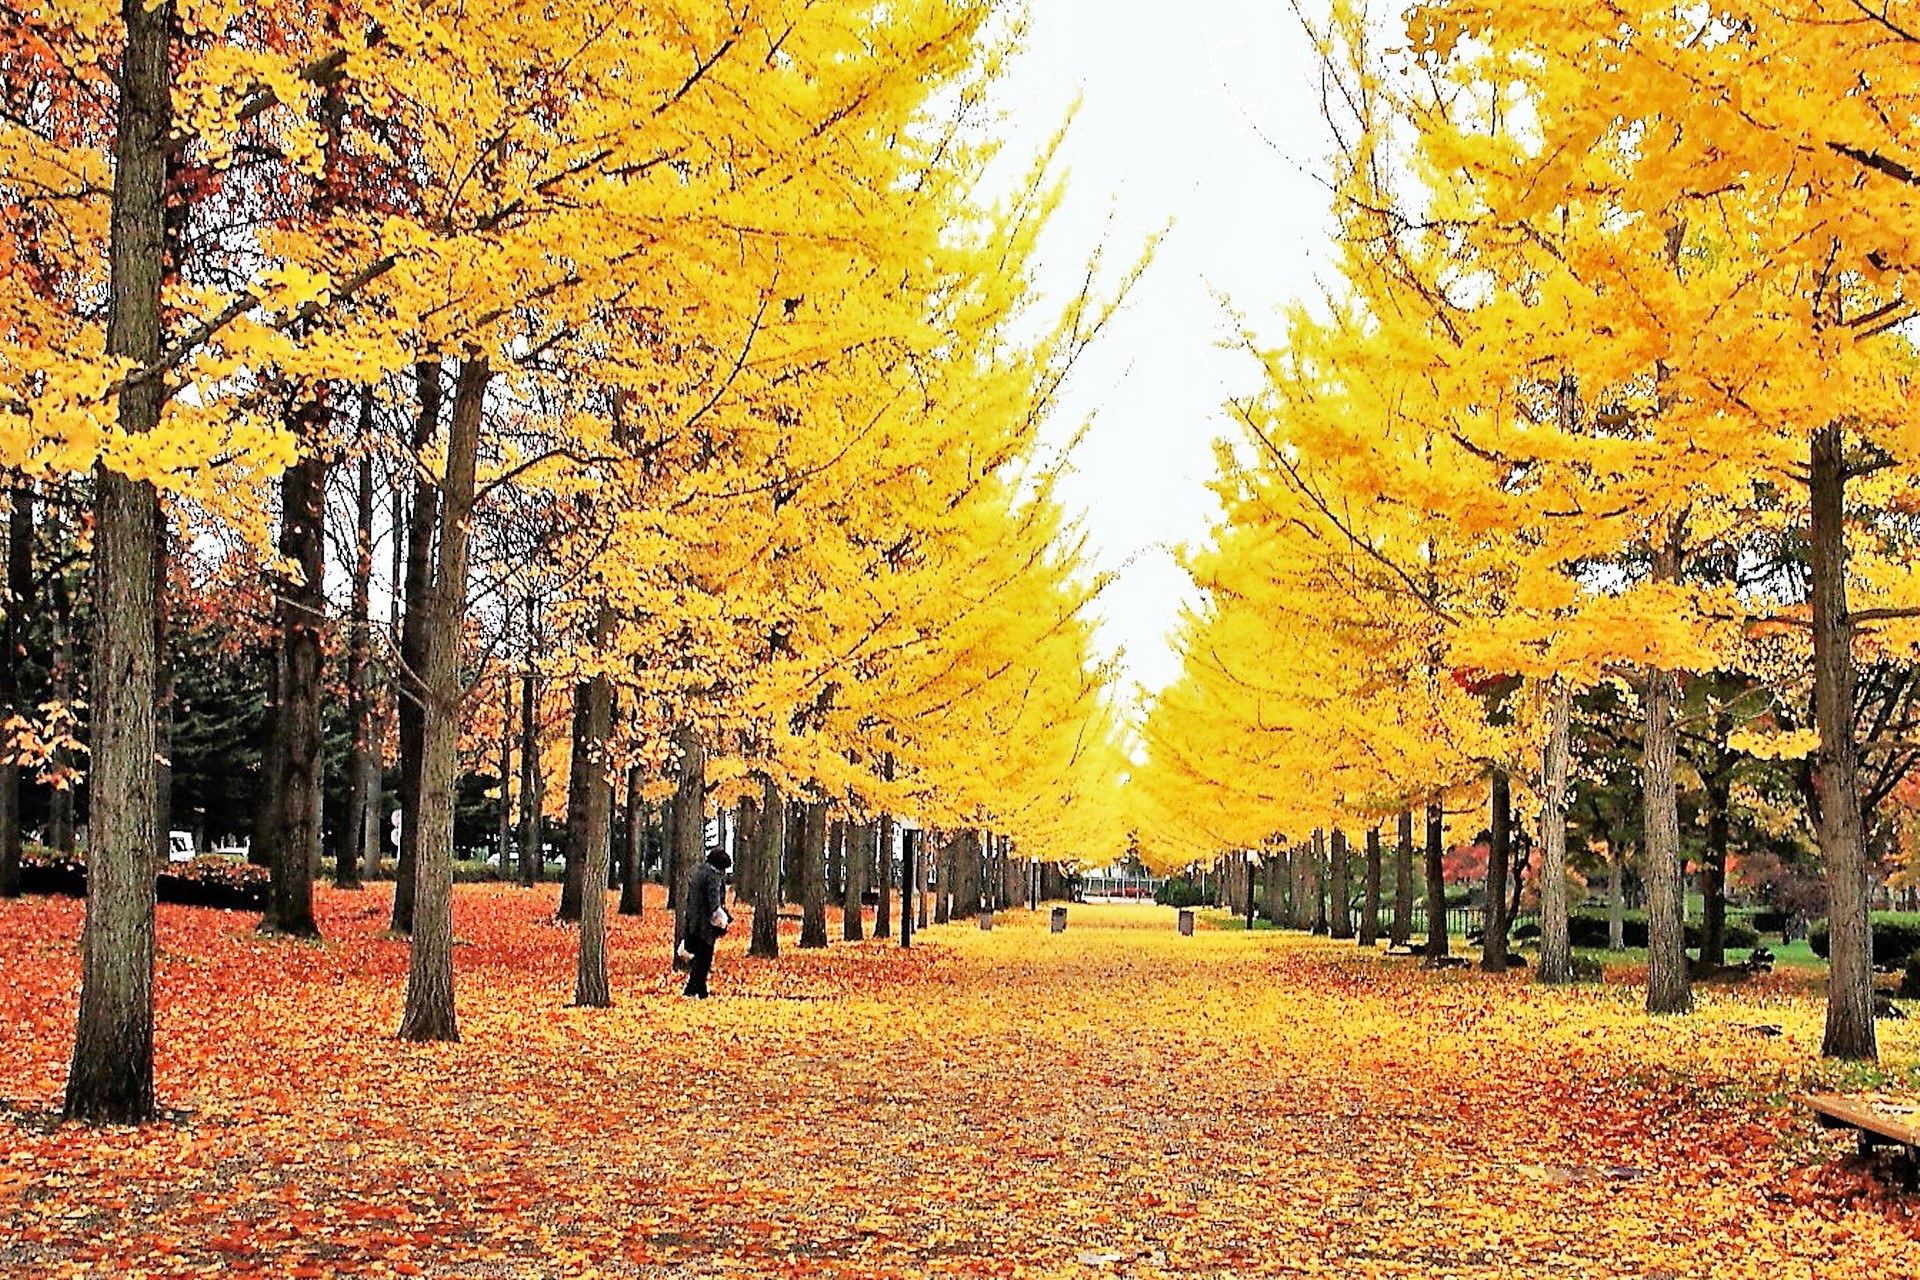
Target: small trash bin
1186,923
1057,922
986,921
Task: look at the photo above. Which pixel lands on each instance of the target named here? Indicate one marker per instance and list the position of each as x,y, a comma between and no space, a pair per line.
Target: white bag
720,920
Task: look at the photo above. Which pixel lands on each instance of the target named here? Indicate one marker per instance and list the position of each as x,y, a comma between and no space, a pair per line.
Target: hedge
1896,936
204,882
1179,892
1589,929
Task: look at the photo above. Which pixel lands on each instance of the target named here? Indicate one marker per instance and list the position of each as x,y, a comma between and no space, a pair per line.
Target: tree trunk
300,609
633,879
794,866
1273,877
813,876
1299,916
913,888
531,852
1370,910
580,768
910,876
1341,888
1436,948
836,884
1402,882
423,521
769,844
689,820
111,1078
943,881
883,879
1317,877
163,713
503,834
429,1012
390,698
1838,822
746,871
1713,889
590,978
1617,897
363,763
12,694
1667,986
60,690
1556,955
859,866
972,878
1493,930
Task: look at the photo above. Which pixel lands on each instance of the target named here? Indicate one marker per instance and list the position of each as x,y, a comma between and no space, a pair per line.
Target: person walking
707,919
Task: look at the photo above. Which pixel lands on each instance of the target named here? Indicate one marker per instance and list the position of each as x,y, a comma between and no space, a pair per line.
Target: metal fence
1119,888
1461,921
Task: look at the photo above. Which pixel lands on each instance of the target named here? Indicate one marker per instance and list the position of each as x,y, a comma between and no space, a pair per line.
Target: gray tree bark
1370,908
579,770
1341,888
423,522
770,843
299,779
1317,877
689,820
1556,955
1838,821
813,876
883,879
1493,934
1403,882
111,1077
1436,948
429,1011
531,798
858,868
1668,990
633,900
590,987
357,848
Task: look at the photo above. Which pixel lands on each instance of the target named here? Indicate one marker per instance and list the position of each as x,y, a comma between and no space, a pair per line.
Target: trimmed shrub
1896,937
1179,892
476,871
227,884
1589,929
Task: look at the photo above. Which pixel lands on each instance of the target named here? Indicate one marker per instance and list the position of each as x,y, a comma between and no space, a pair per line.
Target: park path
1115,1100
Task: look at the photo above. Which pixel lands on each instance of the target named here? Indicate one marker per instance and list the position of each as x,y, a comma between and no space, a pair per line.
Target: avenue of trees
1588,495
629,411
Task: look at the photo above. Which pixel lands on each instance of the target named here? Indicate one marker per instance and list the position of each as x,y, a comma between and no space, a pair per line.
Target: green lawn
1797,955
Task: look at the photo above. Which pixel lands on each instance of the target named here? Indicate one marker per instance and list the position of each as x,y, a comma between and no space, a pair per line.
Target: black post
908,839
1247,861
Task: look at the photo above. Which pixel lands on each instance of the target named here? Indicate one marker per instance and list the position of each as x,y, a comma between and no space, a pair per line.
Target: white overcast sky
1203,114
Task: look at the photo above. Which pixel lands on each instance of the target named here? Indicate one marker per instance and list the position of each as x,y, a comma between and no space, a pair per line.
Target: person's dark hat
717,858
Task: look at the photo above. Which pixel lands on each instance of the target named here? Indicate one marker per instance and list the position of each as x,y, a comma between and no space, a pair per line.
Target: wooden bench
1879,1121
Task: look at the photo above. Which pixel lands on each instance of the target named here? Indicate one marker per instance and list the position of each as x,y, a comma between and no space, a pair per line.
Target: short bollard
1057,922
986,921
1186,923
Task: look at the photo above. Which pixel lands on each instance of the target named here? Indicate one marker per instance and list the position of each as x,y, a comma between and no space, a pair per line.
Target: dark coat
709,894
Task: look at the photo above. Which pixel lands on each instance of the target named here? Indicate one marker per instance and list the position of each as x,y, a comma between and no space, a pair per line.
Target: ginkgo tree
1768,357
691,319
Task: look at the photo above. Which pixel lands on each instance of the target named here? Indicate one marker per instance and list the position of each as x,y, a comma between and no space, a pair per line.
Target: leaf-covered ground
1115,1100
